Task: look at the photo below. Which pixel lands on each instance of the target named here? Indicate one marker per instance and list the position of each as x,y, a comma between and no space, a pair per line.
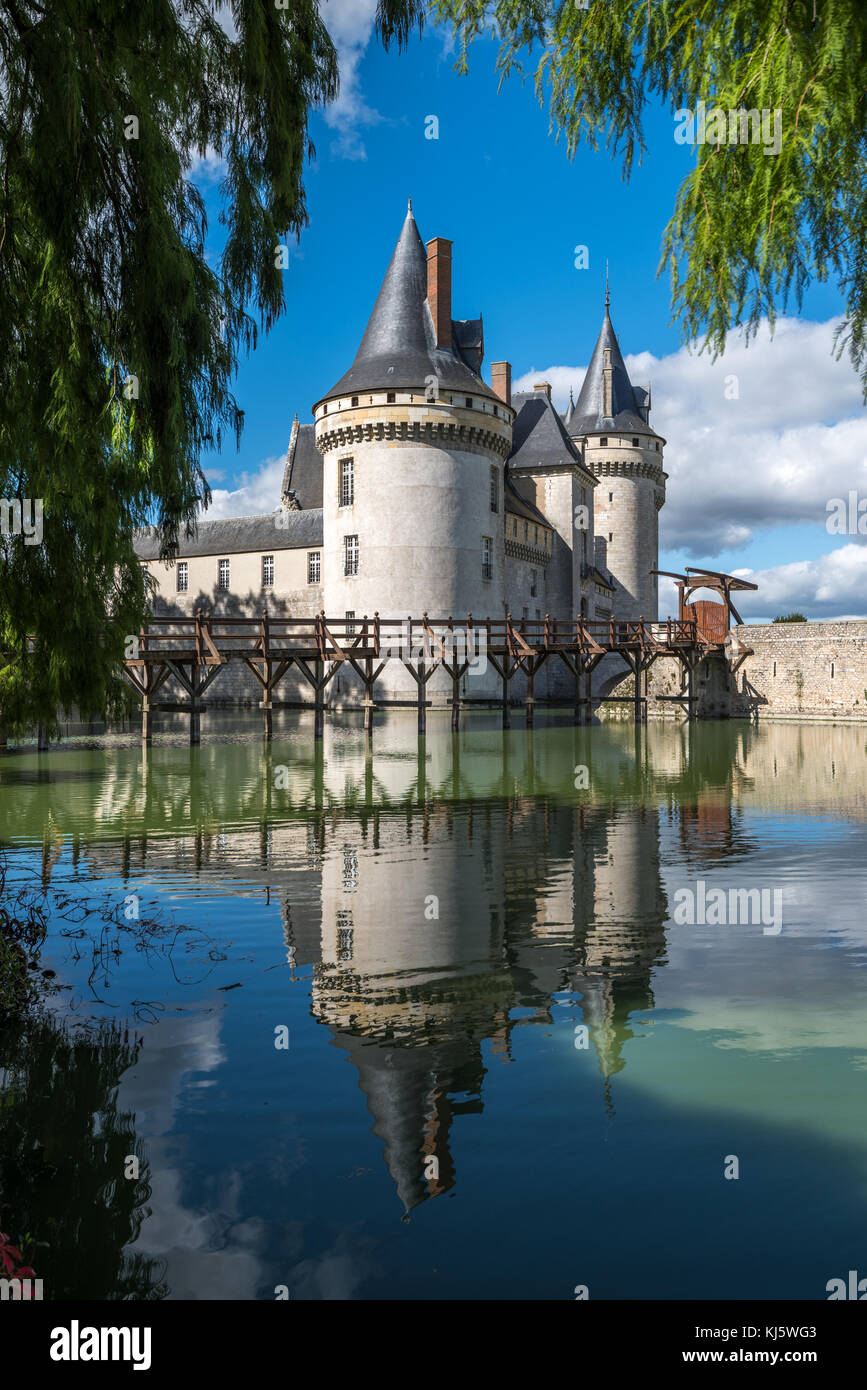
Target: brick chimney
543,386
501,380
439,288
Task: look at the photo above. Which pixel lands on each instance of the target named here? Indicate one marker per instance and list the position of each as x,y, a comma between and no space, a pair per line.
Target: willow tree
118,337
752,225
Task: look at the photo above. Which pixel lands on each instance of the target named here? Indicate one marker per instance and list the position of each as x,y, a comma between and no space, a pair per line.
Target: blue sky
750,477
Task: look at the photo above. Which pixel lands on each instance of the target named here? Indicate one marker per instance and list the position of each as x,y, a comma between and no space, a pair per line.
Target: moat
419,1021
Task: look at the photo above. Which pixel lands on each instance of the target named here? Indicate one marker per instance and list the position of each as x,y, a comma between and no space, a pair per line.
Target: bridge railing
211,638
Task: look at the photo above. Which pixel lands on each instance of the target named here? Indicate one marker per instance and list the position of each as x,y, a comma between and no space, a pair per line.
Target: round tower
413,443
612,419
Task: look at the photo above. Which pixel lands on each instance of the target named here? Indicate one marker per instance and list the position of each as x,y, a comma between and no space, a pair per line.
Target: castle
421,488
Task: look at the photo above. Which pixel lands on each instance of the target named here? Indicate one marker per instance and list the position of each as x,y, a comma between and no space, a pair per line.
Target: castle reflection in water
445,892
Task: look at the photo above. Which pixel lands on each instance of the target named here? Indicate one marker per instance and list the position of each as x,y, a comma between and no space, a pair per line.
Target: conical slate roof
588,417
399,349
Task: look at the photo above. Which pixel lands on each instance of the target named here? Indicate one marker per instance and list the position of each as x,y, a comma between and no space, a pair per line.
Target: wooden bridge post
267,708
507,657
531,686
319,685
319,700
367,703
456,681
147,719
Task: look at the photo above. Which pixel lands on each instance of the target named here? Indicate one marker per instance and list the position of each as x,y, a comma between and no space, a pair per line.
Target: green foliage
64,1140
750,231
22,932
104,273
790,618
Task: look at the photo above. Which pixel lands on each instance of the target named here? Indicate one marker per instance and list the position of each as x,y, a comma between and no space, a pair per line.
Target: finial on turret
607,293
409,204
571,398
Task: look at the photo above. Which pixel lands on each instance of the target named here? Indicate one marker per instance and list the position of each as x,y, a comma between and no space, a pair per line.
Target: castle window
354,400
350,555
532,583
347,482
495,490
314,566
223,574
603,441
611,497
515,527
350,622
526,528
535,535
469,402
496,411
611,535
487,557
832,670
389,398
267,571
183,576
635,443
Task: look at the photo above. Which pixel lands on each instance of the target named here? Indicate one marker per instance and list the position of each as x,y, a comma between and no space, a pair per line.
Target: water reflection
435,897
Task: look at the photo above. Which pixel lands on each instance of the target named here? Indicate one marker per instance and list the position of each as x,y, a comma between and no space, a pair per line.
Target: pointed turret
608,399
611,422
410,337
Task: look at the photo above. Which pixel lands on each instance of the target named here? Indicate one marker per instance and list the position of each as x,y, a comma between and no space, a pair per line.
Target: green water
509,1071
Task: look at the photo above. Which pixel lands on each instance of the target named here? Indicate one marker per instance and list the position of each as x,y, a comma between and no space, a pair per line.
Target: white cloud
350,24
795,437
257,493
209,167
834,585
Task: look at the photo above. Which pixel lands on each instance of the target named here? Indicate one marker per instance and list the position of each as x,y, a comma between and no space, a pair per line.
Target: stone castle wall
804,670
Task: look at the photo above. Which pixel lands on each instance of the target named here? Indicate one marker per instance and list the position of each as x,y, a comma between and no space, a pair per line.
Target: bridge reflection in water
445,895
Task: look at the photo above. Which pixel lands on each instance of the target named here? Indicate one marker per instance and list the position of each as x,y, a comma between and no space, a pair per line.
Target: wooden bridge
195,650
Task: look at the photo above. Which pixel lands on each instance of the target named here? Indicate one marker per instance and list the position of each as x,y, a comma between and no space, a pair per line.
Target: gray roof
235,535
516,502
303,472
626,402
399,349
539,438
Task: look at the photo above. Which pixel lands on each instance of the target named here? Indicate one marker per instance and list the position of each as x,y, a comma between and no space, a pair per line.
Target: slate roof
539,438
626,401
522,506
399,349
303,472
236,535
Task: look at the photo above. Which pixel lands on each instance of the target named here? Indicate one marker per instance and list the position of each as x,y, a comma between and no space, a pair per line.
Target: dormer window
389,398
603,443
354,400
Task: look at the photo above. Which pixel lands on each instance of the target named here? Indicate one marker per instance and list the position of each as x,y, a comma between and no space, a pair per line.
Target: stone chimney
543,386
439,288
501,380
